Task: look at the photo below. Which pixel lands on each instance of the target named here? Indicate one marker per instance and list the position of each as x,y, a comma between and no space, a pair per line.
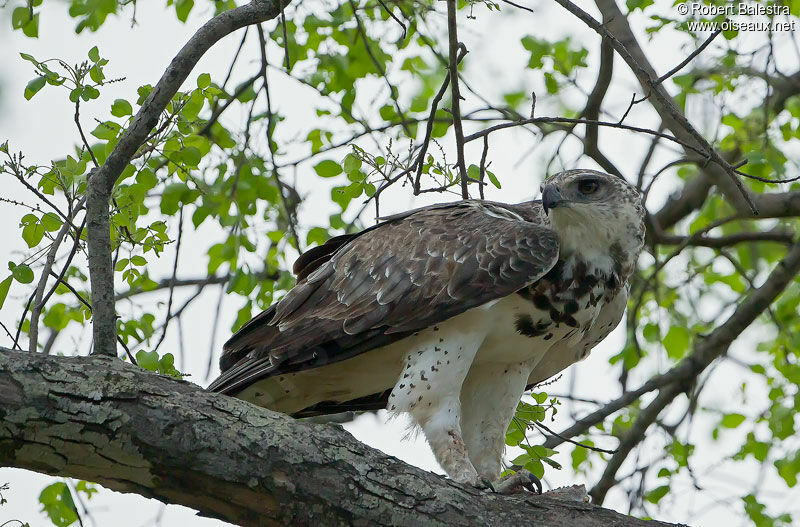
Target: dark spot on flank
436,328
548,336
422,376
541,302
402,385
571,322
525,326
259,394
571,307
441,340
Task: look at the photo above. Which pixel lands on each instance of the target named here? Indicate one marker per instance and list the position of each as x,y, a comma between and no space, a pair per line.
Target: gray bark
103,420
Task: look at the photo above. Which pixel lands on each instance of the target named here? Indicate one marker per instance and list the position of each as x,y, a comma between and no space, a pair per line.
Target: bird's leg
443,432
429,389
489,399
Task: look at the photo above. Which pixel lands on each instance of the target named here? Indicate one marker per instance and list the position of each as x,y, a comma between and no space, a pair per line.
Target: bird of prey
448,312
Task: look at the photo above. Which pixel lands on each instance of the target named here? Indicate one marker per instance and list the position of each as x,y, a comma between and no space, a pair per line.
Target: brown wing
375,287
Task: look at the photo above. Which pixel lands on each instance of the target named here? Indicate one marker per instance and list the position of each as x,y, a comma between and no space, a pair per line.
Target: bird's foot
519,481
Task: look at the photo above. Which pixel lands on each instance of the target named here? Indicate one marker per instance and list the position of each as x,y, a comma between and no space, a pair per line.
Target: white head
597,216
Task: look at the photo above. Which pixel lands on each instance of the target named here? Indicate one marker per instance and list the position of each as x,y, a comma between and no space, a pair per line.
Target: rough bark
130,430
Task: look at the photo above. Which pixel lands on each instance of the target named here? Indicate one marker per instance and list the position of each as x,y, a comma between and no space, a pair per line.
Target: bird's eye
588,186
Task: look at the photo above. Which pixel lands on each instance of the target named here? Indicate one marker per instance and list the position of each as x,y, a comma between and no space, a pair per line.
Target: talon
534,484
486,484
520,480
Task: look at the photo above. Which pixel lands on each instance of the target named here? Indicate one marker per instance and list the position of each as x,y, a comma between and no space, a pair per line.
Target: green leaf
21,273
4,286
183,8
33,234
51,221
21,19
732,420
351,163
107,130
328,168
147,360
57,502
94,54
655,495
493,178
676,342
34,86
203,80
121,108
138,260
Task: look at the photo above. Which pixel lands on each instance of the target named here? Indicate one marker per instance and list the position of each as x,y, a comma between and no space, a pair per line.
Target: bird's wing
366,290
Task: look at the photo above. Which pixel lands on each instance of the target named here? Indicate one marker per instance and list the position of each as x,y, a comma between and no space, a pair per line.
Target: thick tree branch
101,181
133,431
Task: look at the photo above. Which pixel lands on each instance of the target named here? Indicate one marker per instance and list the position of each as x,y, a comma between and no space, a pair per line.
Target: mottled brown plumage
447,312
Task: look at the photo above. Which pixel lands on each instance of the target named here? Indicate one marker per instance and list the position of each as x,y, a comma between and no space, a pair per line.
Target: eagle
449,313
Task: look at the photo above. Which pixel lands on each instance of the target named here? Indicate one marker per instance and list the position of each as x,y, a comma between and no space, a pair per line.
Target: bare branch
455,110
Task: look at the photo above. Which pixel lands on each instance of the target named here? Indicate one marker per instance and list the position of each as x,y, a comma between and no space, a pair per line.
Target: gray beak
551,198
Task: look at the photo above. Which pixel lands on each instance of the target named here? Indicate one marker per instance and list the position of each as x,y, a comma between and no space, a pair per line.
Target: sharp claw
533,484
488,485
522,479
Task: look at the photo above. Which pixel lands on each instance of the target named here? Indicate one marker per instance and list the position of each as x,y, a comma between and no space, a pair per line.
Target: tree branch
101,181
134,431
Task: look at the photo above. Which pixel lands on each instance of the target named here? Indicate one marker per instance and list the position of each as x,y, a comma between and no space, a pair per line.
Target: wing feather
372,288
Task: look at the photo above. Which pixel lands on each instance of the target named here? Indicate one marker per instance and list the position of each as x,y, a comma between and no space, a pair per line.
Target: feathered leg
430,387
489,398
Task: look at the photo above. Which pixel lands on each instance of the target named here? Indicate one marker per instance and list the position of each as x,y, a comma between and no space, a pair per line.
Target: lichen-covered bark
103,420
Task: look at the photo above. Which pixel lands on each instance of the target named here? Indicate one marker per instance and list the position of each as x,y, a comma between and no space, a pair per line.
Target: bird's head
594,214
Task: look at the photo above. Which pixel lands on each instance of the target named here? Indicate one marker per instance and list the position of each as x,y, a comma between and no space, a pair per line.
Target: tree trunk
103,420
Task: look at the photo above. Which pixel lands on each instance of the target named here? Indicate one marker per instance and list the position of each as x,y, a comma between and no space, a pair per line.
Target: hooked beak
551,198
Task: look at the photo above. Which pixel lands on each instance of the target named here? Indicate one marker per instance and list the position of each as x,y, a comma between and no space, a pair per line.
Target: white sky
44,130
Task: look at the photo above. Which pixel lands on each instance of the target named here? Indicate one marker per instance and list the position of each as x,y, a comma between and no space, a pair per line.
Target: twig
80,131
290,211
431,119
285,39
691,56
378,66
454,45
509,2
568,440
706,349
36,309
483,165
394,17
174,276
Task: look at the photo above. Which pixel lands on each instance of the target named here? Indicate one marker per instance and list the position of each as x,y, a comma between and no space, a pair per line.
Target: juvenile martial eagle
448,312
